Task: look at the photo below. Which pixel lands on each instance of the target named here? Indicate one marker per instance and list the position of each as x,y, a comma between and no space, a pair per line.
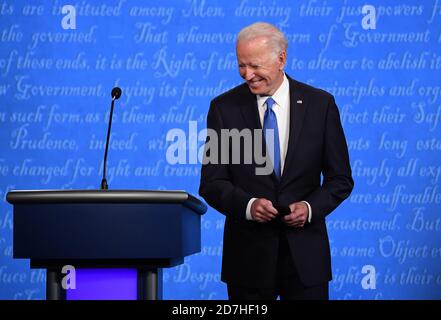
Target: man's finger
270,208
263,214
289,219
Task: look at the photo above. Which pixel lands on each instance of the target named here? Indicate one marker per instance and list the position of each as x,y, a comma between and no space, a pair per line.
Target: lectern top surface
106,196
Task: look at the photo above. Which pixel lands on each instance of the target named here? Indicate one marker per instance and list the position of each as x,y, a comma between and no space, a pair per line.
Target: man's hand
298,216
262,210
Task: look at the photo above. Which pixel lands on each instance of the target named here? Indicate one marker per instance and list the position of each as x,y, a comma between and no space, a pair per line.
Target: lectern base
105,279
100,284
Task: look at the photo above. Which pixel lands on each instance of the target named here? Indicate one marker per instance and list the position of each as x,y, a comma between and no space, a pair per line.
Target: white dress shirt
281,108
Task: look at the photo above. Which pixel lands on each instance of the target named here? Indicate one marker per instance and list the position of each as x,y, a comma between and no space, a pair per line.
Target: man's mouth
255,83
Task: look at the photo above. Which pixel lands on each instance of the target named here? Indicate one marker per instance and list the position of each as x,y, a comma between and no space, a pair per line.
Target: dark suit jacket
316,146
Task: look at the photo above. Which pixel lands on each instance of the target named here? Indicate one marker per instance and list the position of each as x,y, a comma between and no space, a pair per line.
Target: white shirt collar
278,96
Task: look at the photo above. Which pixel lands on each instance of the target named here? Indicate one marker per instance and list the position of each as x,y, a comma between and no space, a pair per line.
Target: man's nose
248,74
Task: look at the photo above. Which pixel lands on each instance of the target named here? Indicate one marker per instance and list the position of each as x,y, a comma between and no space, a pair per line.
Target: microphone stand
115,95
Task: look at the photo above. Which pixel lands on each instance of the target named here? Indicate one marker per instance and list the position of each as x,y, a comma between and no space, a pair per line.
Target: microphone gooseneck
116,93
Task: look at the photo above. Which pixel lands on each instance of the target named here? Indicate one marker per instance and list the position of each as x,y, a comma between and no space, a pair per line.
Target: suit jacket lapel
250,113
298,105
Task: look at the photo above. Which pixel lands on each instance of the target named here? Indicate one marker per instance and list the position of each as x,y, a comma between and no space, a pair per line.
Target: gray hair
276,38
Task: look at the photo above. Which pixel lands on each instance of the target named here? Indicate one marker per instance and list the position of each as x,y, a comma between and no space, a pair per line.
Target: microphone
116,93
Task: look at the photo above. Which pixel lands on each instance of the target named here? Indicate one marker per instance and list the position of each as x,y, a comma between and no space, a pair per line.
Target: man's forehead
259,40
253,55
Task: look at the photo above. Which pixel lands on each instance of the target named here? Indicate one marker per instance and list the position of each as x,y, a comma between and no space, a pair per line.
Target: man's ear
282,59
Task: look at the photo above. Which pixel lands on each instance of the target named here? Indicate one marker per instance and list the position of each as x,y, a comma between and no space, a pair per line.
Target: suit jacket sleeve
216,186
337,177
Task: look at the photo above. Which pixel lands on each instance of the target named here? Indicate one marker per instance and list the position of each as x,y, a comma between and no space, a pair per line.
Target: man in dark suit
268,252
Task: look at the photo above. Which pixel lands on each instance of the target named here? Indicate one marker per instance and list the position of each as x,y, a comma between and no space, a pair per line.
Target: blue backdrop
171,58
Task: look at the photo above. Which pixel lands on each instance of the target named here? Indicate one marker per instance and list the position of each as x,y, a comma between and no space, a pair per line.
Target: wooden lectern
107,229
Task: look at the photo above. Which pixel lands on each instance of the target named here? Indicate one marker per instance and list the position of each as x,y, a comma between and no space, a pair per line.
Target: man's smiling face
260,66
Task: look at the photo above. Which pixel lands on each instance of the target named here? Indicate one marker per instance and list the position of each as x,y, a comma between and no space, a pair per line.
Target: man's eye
253,66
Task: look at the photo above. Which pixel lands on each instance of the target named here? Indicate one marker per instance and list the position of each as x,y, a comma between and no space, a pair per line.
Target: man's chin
257,90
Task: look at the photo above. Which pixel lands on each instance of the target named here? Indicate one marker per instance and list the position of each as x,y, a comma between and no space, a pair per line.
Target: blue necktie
270,122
